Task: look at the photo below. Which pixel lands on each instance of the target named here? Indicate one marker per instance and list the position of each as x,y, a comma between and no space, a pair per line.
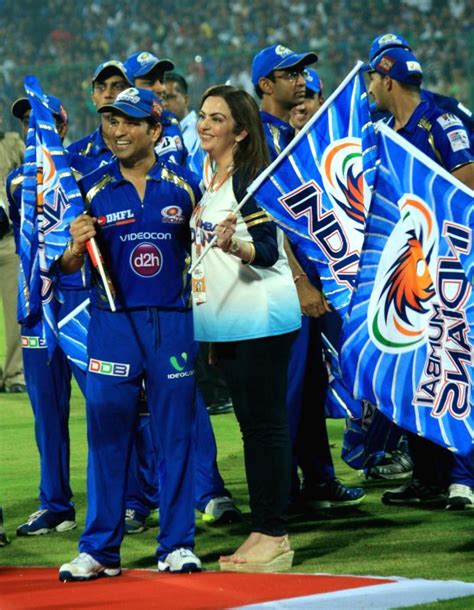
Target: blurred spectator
213,41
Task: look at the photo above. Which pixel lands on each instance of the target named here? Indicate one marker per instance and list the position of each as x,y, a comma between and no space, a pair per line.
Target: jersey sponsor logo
145,235
179,364
172,214
116,218
33,342
449,120
458,139
146,260
167,144
113,369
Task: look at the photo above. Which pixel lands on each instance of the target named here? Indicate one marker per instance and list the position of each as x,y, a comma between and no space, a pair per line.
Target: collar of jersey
114,169
270,118
411,126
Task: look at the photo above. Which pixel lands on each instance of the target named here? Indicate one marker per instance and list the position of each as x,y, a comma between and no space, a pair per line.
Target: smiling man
139,210
109,79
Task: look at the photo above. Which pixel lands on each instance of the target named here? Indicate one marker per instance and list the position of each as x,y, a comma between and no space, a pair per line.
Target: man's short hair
174,77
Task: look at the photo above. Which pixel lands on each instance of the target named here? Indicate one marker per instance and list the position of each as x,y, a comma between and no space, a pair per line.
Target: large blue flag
318,189
408,343
50,201
29,277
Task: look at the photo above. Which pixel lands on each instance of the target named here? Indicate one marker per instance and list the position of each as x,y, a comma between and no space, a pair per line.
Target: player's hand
82,229
313,303
225,231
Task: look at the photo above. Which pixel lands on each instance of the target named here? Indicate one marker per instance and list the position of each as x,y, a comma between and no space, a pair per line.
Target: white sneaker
180,561
460,497
85,567
221,510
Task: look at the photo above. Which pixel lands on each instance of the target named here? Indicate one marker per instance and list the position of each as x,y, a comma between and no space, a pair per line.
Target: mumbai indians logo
342,173
131,95
283,51
145,57
398,314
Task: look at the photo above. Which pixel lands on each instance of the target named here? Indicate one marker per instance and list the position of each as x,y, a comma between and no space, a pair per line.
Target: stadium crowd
212,41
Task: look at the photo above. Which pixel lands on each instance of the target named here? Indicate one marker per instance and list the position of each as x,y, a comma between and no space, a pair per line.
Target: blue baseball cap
398,63
142,63
109,68
278,57
387,41
313,82
22,105
136,103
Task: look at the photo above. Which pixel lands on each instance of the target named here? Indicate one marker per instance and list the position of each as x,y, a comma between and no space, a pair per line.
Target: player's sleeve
261,227
451,141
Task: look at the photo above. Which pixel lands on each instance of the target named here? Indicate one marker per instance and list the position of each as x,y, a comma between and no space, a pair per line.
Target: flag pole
211,243
98,263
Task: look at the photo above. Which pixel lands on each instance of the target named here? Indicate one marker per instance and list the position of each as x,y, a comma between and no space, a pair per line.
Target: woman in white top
245,304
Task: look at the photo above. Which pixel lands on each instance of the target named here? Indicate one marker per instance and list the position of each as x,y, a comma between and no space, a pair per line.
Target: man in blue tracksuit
139,209
278,75
395,77
48,381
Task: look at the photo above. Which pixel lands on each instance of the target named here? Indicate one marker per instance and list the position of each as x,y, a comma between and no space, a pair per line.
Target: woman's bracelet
298,276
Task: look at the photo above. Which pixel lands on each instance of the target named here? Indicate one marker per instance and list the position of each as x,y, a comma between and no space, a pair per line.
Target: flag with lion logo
408,344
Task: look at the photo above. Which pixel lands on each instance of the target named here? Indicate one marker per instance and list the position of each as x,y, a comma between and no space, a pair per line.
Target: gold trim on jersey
92,192
170,176
255,215
257,222
276,141
15,183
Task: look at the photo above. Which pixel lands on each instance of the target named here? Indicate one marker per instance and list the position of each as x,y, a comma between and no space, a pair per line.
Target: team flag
407,346
318,189
50,201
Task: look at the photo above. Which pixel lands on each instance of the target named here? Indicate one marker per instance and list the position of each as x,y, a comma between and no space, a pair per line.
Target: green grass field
372,539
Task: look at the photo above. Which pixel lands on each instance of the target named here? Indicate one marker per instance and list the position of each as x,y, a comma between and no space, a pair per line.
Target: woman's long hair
250,155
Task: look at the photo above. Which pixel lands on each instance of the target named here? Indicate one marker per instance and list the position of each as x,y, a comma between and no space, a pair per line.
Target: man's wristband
71,251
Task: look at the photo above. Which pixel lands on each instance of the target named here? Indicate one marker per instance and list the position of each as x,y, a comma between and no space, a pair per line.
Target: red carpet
40,589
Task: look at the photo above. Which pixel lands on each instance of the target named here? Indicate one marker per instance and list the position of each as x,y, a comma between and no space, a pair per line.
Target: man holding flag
139,208
48,376
278,75
395,77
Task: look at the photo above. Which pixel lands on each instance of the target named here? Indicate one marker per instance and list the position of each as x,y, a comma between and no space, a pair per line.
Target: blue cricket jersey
145,244
440,135
278,133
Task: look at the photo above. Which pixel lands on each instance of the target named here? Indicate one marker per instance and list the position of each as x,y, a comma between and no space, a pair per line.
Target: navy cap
142,63
136,103
22,105
387,41
398,63
313,82
278,57
109,68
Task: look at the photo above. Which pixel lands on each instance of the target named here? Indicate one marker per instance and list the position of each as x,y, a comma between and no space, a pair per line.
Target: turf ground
372,539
